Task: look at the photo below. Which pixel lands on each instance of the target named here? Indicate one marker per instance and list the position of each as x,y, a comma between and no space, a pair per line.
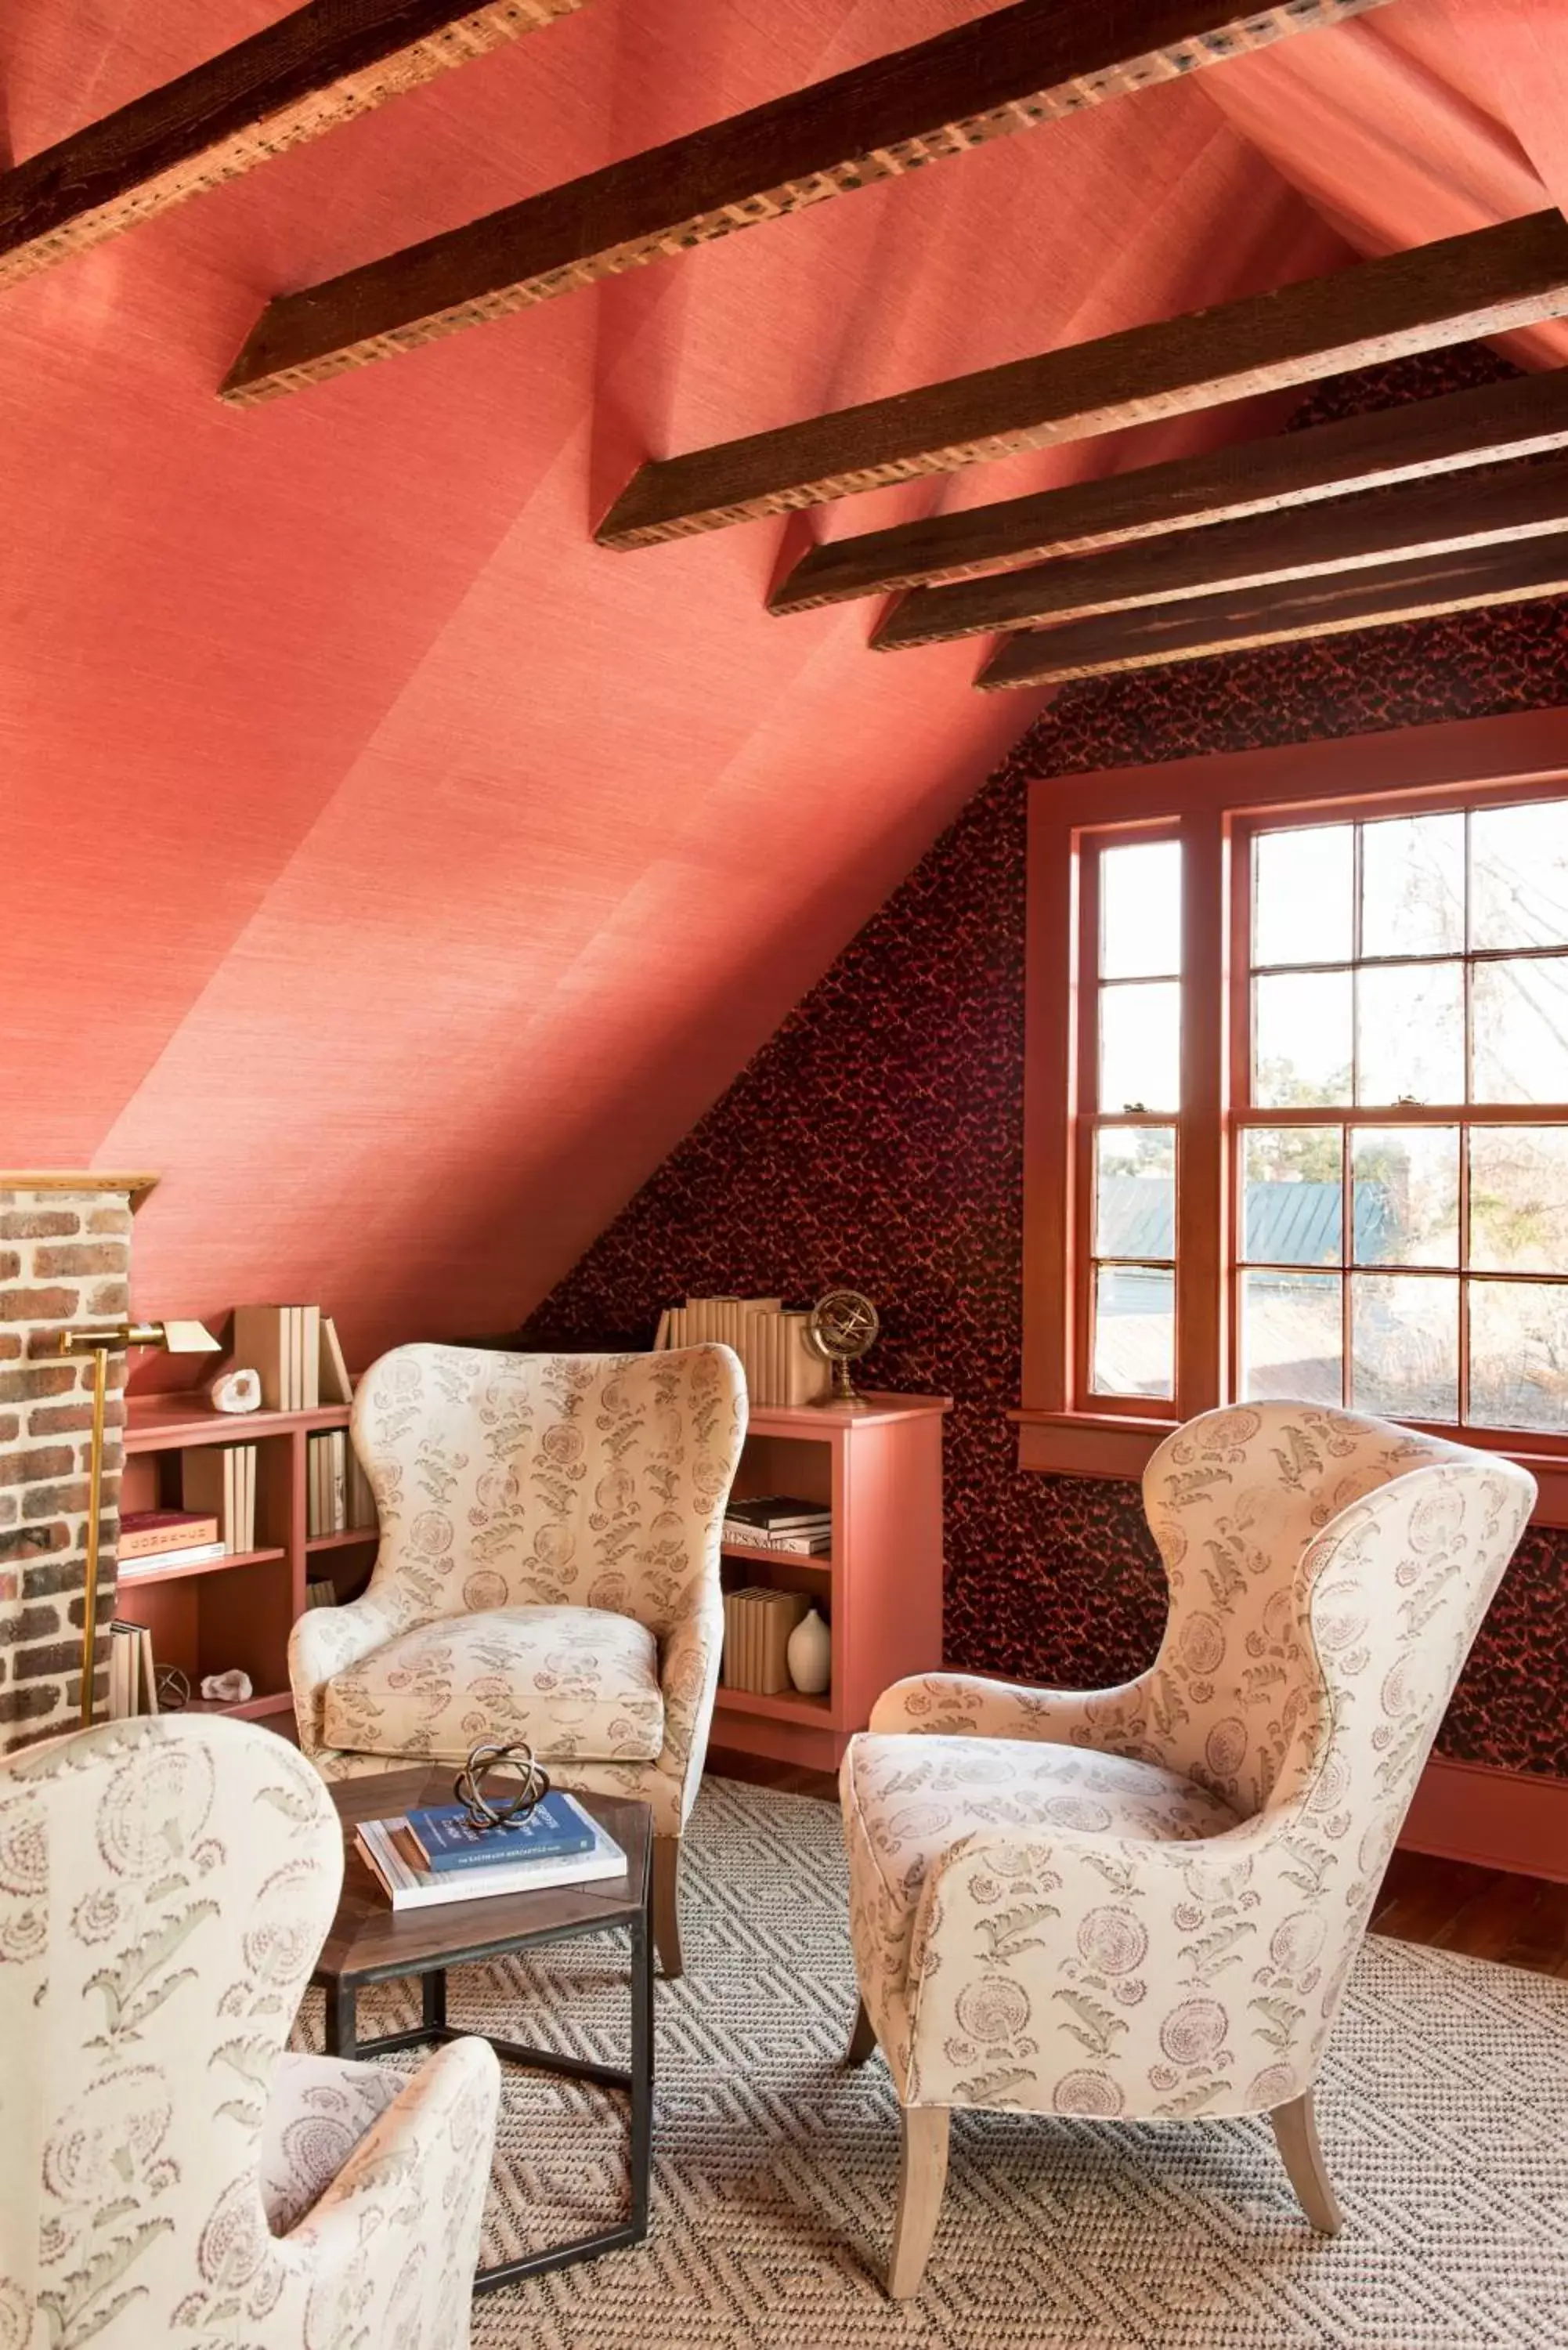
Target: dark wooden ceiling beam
1250,617
305,74
1484,283
1007,71
1419,518
1487,426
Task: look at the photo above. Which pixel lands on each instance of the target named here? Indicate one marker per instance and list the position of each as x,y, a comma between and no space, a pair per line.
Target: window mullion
1202,1238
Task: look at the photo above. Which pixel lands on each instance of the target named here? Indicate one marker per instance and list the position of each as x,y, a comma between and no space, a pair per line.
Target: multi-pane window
1400,1116
1133,913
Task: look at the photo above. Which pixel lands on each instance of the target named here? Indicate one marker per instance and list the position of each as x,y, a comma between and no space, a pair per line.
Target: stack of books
430,1856
149,1539
338,1496
294,1351
757,1626
780,1522
781,1365
220,1480
131,1686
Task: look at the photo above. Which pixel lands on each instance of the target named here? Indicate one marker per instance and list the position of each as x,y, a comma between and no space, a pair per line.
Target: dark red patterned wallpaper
878,1139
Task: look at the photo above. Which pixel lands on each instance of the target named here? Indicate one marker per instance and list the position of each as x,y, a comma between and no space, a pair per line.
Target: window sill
1101,1444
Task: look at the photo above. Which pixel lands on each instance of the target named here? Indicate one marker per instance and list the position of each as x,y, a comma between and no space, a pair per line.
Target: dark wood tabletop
370,1941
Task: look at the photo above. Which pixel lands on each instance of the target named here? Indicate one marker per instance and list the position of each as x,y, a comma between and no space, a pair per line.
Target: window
1298,1118
1402,1241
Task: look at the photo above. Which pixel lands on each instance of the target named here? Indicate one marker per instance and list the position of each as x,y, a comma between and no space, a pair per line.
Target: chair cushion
580,1684
318,2110
909,1800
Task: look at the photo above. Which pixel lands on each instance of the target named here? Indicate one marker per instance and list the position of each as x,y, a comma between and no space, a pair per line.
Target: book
132,1678
145,1533
334,1385
448,1839
321,1593
393,1858
218,1479
744,1537
779,1514
361,1500
187,1554
259,1347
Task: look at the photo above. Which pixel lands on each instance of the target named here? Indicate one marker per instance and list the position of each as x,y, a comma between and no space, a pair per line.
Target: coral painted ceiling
395,870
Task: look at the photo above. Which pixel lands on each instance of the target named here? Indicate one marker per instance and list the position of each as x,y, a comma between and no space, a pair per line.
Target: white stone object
236,1390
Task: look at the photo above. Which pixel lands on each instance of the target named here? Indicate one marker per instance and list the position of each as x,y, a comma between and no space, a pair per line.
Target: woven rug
1443,2111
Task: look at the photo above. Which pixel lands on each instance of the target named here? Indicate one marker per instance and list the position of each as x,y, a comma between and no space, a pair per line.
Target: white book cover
193,1554
408,1887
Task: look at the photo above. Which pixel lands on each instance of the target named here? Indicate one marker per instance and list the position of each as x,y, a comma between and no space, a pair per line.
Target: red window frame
1215,806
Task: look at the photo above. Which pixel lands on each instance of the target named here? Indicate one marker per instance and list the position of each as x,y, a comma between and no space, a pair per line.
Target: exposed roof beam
1479,284
1462,429
1421,518
1003,72
296,78
1269,616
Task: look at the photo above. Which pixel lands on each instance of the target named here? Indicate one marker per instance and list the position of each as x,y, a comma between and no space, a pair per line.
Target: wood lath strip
1420,518
1512,574
1020,66
1485,282
310,71
1288,471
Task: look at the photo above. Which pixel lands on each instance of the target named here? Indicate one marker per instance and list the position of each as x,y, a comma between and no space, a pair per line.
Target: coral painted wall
877,1138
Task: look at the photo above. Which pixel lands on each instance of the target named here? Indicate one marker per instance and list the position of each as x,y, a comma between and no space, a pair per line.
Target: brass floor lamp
174,1338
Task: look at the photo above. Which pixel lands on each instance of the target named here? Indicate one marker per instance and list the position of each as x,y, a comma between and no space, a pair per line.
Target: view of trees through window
1400,1176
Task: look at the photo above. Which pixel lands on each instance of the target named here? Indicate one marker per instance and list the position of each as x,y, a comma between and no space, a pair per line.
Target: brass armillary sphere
842,1326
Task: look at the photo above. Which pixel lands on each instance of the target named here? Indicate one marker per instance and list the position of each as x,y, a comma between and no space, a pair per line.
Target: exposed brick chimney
64,1261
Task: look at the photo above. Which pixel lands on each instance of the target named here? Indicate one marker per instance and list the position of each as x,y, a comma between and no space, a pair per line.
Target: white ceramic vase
810,1655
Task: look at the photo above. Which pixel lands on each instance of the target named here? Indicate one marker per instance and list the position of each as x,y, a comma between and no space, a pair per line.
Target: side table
372,1942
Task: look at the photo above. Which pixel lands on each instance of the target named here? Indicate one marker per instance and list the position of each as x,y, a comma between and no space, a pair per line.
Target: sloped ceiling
394,869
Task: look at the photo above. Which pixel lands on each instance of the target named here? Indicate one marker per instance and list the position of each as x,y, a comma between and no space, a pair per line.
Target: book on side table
398,1862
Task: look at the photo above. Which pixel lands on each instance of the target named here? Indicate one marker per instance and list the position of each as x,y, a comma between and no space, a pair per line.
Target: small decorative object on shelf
490,1755
173,1689
227,1688
810,1655
842,1328
235,1390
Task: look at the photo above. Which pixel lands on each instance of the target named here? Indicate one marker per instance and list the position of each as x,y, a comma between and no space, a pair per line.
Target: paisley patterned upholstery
1327,1575
579,1683
517,1493
165,2172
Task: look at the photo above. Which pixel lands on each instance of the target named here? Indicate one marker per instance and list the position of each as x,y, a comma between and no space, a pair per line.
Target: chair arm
971,1706
1062,1970
325,1641
688,1677
414,2184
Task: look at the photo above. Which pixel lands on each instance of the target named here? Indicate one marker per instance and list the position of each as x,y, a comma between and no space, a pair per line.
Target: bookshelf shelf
880,1471
236,1611
133,1578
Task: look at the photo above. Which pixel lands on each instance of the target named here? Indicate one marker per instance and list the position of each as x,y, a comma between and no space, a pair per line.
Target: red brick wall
65,1260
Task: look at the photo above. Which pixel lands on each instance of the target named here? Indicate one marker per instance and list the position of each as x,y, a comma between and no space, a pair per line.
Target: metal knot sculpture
484,1812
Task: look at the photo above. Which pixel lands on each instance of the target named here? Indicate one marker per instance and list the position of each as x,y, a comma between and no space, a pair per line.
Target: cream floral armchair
166,2173
548,1570
1144,1902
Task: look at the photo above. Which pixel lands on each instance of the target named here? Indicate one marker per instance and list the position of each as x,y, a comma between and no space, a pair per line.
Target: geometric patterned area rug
1443,2109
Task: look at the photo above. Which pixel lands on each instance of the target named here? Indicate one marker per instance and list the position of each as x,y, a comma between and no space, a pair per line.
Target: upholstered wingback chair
548,1570
166,2173
1144,1902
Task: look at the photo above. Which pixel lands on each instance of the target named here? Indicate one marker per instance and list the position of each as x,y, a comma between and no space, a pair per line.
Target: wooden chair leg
667,1904
862,2040
923,2175
1295,2132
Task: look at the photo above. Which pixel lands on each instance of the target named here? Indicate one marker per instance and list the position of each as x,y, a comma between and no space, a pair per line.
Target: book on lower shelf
158,1534
395,1861
757,1626
156,1562
133,1683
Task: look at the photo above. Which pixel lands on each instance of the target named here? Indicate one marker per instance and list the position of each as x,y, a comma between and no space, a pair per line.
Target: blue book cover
555,1830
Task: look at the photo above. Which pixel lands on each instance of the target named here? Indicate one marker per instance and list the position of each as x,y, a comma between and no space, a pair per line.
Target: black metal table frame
342,1996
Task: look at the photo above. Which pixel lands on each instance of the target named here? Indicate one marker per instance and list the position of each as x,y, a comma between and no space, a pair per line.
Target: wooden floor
1520,1921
